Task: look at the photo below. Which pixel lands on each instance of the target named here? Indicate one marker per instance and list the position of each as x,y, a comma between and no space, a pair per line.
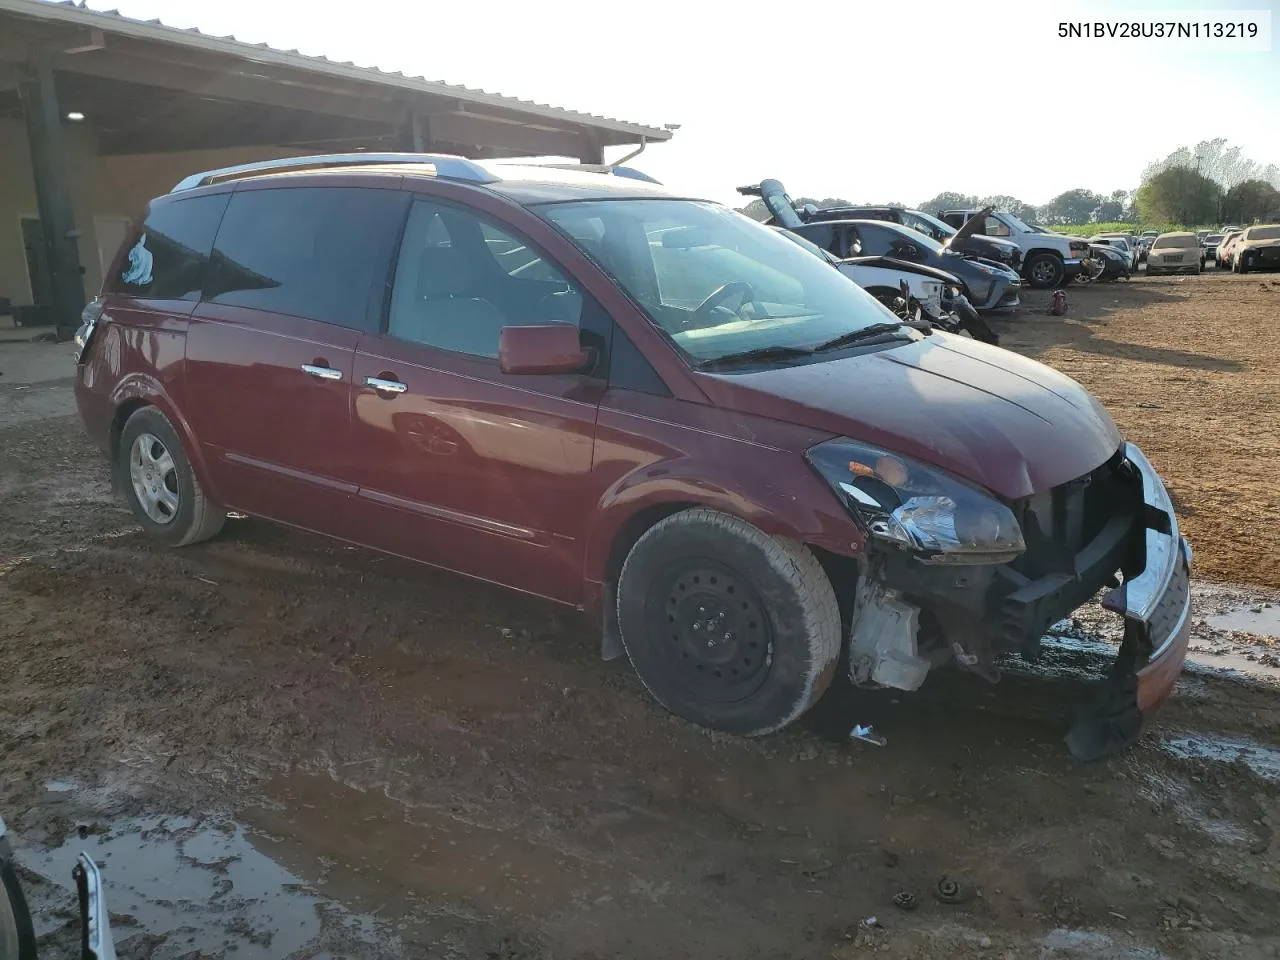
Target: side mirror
547,348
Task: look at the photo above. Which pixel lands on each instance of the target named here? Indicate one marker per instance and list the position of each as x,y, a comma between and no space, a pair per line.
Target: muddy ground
278,747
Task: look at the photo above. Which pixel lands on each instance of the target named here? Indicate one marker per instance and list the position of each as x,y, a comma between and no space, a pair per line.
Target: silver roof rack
446,165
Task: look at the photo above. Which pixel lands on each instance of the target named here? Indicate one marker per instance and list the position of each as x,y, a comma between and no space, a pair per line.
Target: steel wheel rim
712,631
154,478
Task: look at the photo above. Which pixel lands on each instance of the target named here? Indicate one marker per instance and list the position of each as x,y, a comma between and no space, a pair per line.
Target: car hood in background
982,413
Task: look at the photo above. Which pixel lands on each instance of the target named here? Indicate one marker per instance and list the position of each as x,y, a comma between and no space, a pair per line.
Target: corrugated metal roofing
112,21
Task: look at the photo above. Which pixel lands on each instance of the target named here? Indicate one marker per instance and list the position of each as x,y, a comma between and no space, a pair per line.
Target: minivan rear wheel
726,626
162,490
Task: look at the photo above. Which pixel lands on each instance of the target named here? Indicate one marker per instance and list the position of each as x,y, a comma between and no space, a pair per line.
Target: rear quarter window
312,252
168,257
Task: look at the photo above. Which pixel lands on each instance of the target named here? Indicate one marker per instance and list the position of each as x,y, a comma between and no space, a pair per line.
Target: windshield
929,226
1178,241
1213,238
716,281
1263,233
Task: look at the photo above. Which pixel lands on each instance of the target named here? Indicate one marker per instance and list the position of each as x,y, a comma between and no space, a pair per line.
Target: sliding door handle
385,386
324,373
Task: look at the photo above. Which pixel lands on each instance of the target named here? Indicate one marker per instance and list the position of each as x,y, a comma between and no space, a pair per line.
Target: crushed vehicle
972,244
1122,243
1225,255
1105,263
987,284
647,407
1257,249
1048,259
1176,252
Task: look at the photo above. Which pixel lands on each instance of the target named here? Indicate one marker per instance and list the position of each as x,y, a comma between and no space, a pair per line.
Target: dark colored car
987,284
974,244
649,408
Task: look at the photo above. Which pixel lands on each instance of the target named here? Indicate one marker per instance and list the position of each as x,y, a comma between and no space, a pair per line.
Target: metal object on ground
904,900
867,735
949,891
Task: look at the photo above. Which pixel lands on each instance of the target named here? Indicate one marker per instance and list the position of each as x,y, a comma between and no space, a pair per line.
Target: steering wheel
740,288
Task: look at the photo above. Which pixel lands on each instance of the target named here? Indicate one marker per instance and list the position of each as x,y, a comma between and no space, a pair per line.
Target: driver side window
460,279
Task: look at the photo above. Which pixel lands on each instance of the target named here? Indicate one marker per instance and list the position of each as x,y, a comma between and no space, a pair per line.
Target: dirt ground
280,747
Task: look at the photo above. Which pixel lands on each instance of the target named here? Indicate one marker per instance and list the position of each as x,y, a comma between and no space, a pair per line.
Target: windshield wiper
857,336
759,354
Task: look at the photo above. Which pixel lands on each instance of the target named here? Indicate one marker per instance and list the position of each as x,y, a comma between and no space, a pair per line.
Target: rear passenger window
167,259
313,252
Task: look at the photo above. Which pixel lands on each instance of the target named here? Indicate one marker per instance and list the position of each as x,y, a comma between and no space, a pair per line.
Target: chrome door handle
324,373
385,386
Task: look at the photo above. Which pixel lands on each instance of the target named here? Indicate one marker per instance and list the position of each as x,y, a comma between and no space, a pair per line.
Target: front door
270,348
460,465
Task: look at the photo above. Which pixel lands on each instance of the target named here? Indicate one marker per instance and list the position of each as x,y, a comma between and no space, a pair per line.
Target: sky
867,100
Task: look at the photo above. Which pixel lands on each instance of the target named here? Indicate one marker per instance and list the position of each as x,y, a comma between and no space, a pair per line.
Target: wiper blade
759,354
857,336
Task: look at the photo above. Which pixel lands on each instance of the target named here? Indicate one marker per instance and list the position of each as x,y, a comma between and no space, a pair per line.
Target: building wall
101,187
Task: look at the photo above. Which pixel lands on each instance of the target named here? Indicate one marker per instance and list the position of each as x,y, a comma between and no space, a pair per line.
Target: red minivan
644,406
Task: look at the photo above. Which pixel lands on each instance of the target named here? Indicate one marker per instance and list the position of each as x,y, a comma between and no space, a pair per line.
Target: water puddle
1262,761
1258,619
201,883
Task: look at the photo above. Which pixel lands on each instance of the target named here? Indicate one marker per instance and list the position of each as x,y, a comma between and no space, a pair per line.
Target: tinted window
167,260
460,279
311,252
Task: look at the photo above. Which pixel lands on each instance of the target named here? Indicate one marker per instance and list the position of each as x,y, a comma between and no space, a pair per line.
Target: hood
1006,423
971,225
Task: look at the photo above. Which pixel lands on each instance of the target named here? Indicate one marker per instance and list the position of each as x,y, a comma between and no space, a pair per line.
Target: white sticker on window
138,272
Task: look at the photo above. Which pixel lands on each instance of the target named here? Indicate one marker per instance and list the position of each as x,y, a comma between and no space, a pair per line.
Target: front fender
784,497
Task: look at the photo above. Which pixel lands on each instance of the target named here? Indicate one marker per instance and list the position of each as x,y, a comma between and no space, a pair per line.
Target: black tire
17,937
764,604
1238,266
1044,270
195,517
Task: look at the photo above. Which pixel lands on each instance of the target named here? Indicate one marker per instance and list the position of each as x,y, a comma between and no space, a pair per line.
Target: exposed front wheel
1044,270
726,626
159,484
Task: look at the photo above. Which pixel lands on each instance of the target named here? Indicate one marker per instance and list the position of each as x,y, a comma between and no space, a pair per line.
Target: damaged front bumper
982,612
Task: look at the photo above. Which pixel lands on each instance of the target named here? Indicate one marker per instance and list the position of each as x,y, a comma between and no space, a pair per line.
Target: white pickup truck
1048,259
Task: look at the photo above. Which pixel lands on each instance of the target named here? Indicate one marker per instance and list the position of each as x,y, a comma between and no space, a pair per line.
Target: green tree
1072,206
1023,211
1114,208
1251,200
1217,160
1179,195
948,200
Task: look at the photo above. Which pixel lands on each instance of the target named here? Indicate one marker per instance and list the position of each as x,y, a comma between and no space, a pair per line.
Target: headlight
919,508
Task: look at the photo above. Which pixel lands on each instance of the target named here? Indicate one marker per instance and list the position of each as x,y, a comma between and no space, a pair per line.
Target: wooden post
46,139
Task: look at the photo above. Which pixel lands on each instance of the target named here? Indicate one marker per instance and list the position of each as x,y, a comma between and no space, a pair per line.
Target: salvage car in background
1177,252
723,450
1048,259
1222,256
971,243
1210,244
1120,242
1257,249
988,285
1104,263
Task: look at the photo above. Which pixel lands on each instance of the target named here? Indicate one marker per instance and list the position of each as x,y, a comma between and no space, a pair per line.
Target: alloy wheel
154,478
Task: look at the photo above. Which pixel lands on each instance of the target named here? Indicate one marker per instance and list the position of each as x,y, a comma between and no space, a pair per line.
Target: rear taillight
89,318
